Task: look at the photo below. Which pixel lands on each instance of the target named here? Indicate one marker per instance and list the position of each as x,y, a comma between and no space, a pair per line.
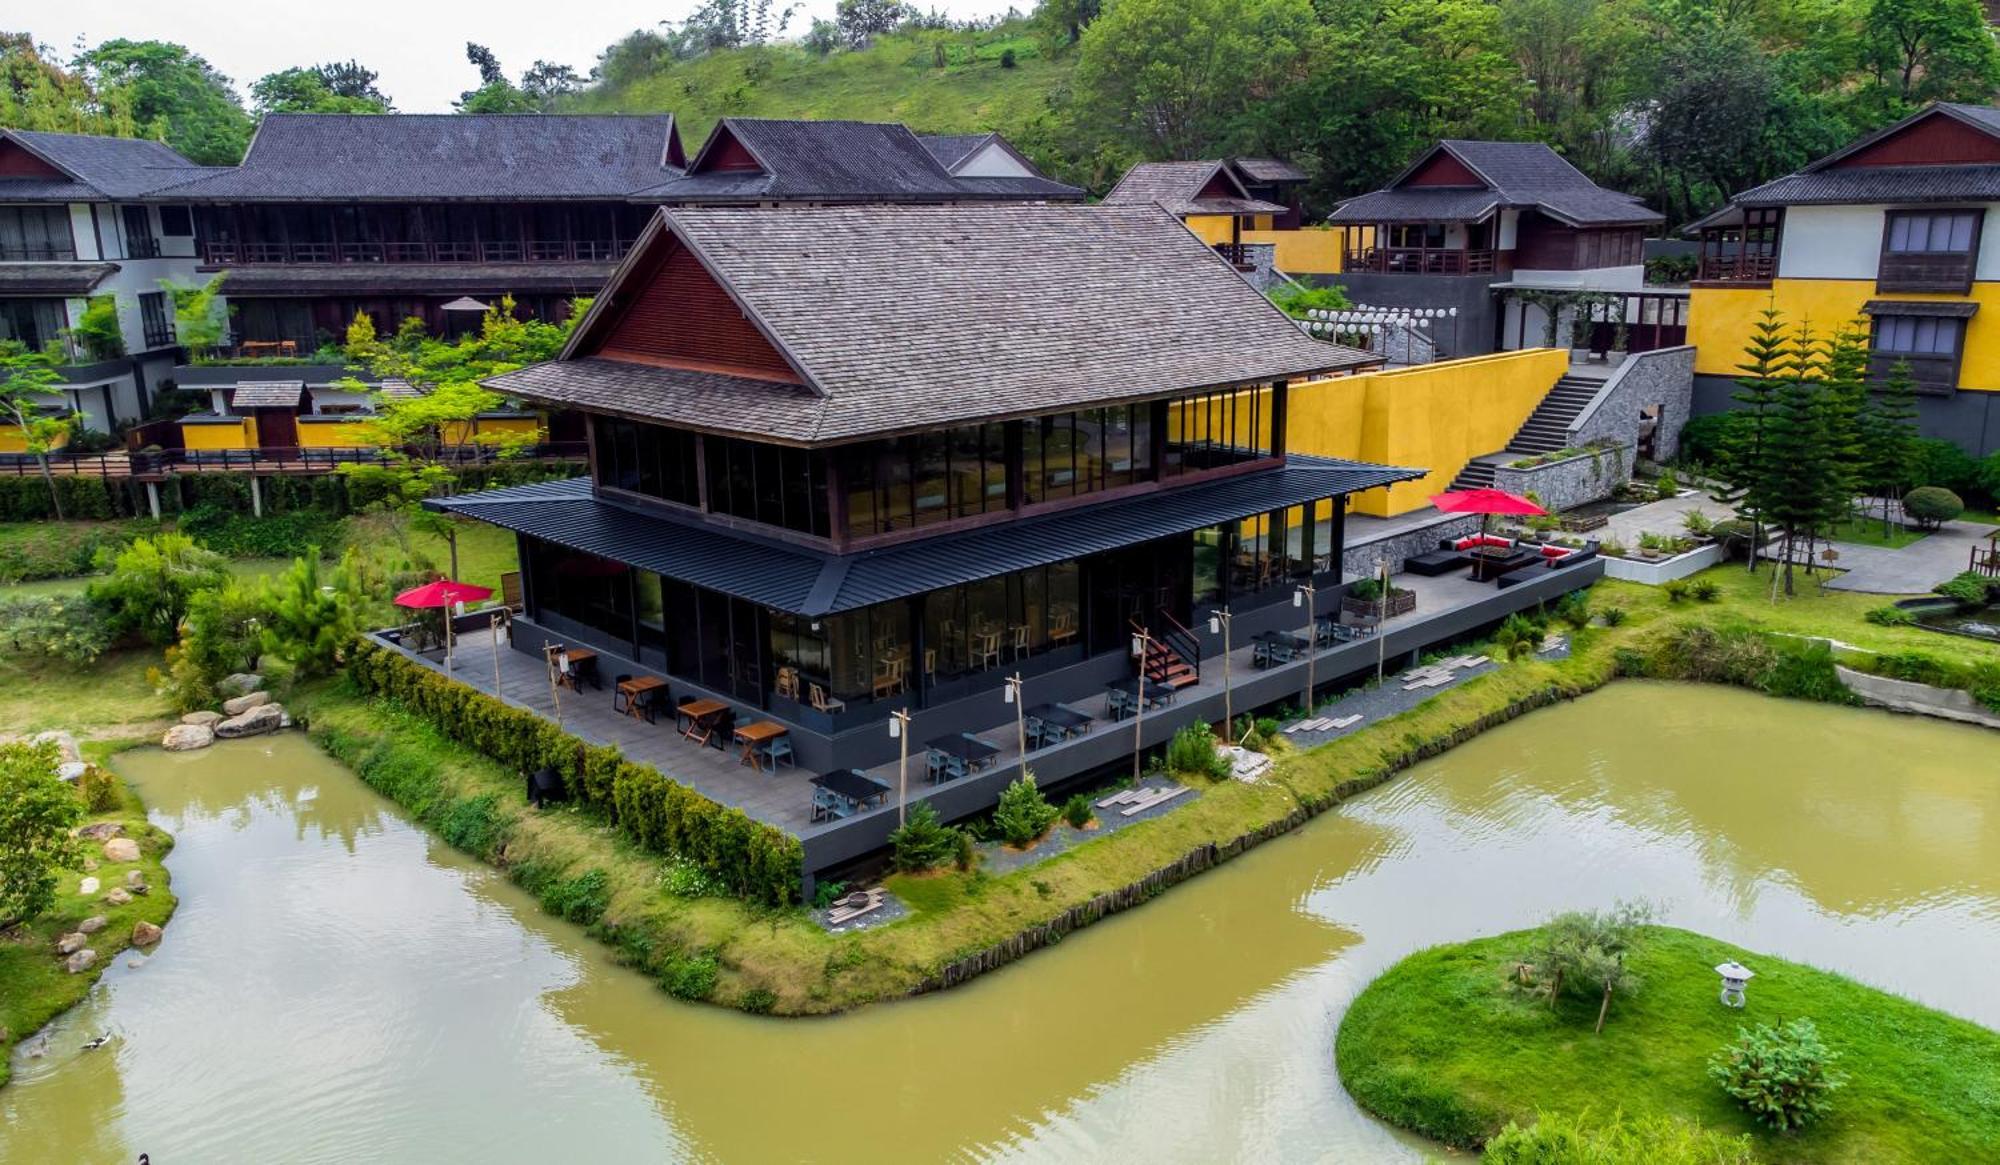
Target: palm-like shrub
1782,1076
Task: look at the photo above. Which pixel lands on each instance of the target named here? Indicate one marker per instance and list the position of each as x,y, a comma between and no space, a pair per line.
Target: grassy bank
1441,1044
34,988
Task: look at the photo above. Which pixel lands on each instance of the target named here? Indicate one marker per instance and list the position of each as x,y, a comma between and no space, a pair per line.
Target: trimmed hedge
755,861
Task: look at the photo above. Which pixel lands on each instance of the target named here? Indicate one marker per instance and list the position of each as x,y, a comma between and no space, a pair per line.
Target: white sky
417,45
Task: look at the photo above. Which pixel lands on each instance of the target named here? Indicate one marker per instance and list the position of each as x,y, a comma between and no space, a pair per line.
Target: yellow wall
11,440
241,434
343,433
1311,251
1720,321
1430,416
1210,228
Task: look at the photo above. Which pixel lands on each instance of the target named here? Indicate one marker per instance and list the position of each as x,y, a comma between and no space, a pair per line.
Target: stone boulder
93,924
188,737
67,749
241,704
118,897
253,722
70,943
202,719
101,831
240,684
135,878
80,961
87,886
121,849
71,771
145,934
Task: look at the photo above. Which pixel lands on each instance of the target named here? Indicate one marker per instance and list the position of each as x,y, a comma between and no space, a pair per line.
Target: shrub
1023,814
150,584
310,623
1889,616
221,634
689,977
1555,1139
36,813
1667,483
825,894
1707,438
1192,752
1698,523
758,1001
1676,589
1941,463
1574,609
239,534
1518,636
1582,952
923,842
580,899
1613,615
1706,590
1782,1076
1930,506
1967,587
67,627
99,789
1805,671
1077,811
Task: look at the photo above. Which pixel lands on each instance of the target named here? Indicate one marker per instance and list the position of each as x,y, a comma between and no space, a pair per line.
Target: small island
1456,1041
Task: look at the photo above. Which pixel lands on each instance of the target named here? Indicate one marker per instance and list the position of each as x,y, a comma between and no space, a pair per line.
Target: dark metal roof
952,148
417,278
298,157
53,278
809,582
97,168
1516,174
1865,184
1920,307
233,375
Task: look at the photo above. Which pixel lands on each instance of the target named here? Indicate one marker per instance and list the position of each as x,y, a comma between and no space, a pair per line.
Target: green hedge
756,861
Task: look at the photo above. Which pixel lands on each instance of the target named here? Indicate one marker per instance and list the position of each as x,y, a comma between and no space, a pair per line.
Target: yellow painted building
11,440
1722,319
209,434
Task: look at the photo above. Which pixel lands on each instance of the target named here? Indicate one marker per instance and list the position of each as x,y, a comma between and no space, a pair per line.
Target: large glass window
1217,429
651,460
583,588
905,482
35,233
34,322
772,484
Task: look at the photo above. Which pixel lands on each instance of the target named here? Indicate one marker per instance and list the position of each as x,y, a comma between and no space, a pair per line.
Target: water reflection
338,987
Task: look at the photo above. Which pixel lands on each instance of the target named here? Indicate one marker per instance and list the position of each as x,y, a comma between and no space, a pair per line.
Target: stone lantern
1734,976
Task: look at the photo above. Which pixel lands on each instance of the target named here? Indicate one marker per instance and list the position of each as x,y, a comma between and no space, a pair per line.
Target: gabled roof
94,169
909,318
267,394
469,157
1519,175
1267,170
1186,188
1826,181
832,161
952,148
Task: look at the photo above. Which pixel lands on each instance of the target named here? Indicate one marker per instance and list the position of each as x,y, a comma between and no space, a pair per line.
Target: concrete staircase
1545,431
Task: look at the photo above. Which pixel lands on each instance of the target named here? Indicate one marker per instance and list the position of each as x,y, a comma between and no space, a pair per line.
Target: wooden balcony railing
491,251
1421,261
1755,268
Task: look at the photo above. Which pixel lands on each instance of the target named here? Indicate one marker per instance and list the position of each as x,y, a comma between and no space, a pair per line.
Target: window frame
1948,271
1933,373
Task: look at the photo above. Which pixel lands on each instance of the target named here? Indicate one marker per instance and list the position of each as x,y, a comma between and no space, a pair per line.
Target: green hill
936,82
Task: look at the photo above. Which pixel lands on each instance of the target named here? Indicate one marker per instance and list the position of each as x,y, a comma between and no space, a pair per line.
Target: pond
339,986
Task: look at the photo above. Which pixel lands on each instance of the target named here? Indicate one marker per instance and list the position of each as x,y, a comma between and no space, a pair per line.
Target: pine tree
1742,468
1799,475
1888,430
1844,400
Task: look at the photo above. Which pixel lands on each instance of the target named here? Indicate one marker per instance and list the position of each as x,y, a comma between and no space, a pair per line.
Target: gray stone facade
1470,333
1566,484
1363,556
1970,420
1662,378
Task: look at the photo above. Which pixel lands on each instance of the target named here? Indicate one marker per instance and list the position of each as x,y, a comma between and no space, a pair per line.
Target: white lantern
1734,977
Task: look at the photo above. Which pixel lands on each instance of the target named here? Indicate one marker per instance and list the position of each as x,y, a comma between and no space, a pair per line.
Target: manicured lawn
109,699
1441,1043
1868,532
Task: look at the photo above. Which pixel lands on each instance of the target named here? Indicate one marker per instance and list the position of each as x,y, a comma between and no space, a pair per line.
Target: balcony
490,251
1421,261
1751,268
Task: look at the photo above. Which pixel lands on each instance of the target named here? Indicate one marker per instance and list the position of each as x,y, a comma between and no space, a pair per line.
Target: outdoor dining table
698,714
1156,693
1071,721
630,690
582,665
755,736
854,787
976,753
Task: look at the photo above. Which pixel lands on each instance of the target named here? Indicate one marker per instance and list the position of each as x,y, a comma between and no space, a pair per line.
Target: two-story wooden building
1889,231
1497,232
1237,206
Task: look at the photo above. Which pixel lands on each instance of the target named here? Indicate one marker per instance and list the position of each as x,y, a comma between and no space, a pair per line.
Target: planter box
1665,569
1400,603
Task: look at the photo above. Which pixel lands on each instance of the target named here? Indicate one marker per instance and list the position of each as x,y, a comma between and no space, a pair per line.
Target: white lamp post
1218,624
1020,703
899,728
1734,977
1303,597
1142,643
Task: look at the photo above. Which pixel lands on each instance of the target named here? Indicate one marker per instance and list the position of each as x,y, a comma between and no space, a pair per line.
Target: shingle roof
952,148
810,582
417,278
902,318
99,168
267,394
1176,185
472,157
1268,169
53,278
834,161
1516,174
1878,184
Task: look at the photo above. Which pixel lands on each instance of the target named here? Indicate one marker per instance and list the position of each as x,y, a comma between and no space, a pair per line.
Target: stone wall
1664,378
1566,484
1363,558
1921,699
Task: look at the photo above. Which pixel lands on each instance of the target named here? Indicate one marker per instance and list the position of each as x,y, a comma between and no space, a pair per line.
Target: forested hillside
1679,101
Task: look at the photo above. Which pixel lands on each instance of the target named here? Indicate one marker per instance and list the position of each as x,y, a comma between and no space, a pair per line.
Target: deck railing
1421,261
274,459
488,251
1753,268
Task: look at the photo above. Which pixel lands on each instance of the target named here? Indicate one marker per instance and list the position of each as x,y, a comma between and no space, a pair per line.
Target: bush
1613,615
151,582
1782,1076
1805,671
1943,464
1574,609
1555,1139
690,977
1930,506
221,634
1889,616
1706,439
36,813
240,534
1078,811
1296,300
923,842
1192,752
1676,589
758,1001
1519,636
68,627
1023,814
1969,587
99,789
1706,590
580,899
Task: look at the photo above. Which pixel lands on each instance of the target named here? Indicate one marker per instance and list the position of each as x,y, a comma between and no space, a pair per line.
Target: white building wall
1509,230
1831,242
992,161
83,233
1632,278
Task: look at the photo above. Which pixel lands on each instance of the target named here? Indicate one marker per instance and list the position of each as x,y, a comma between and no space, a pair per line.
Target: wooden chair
1020,644
986,652
821,702
888,678
788,682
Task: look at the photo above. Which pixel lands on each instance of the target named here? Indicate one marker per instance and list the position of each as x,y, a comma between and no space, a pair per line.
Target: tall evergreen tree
1799,475
1888,431
1742,469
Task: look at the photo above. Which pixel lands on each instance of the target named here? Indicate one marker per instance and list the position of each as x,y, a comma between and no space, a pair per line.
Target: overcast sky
417,45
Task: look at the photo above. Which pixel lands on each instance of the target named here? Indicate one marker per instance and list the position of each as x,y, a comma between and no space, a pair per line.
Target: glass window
34,322
648,601
1916,335
1942,232
35,233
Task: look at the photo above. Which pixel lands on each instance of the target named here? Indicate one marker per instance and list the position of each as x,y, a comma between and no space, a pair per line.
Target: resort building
1248,209
1502,235
83,226
1888,232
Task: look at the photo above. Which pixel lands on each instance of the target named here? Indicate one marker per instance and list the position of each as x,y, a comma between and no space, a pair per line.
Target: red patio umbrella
443,593
1484,502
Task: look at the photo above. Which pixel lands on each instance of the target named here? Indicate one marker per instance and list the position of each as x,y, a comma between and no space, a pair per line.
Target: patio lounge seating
1553,558
1437,562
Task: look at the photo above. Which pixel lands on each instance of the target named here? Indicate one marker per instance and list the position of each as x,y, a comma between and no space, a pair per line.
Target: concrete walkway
1913,570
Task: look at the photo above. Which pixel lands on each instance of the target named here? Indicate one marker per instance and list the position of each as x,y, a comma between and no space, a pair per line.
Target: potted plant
1364,599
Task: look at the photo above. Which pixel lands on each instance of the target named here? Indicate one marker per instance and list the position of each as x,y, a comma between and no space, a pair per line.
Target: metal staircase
1545,431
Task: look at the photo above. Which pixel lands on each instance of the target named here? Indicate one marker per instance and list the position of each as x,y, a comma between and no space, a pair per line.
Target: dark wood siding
1541,244
16,162
1217,187
1443,170
728,154
682,315
1937,140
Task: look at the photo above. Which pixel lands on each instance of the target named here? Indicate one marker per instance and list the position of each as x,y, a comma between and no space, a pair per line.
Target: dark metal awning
811,582
1913,307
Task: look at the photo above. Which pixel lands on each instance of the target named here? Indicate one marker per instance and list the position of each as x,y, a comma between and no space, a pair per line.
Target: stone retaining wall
1573,481
1665,378
1364,558
1920,699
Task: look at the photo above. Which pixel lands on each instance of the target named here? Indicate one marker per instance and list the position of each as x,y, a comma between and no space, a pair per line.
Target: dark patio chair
617,692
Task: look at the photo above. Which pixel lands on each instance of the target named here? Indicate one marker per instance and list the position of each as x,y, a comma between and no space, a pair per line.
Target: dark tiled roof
1517,174
1878,184
904,318
418,278
234,375
952,148
267,394
809,582
1268,170
476,157
99,168
1175,186
835,161
1920,307
52,278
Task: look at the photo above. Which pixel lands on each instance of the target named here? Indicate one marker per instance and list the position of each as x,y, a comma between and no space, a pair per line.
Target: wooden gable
676,314
1936,140
17,162
1218,186
1443,169
725,152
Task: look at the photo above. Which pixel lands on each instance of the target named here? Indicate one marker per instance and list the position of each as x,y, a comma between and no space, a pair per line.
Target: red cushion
1556,552
1472,540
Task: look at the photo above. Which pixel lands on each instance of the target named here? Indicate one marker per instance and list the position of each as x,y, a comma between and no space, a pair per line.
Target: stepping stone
1347,721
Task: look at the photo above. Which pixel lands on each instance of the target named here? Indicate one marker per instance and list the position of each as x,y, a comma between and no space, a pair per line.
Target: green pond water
338,986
